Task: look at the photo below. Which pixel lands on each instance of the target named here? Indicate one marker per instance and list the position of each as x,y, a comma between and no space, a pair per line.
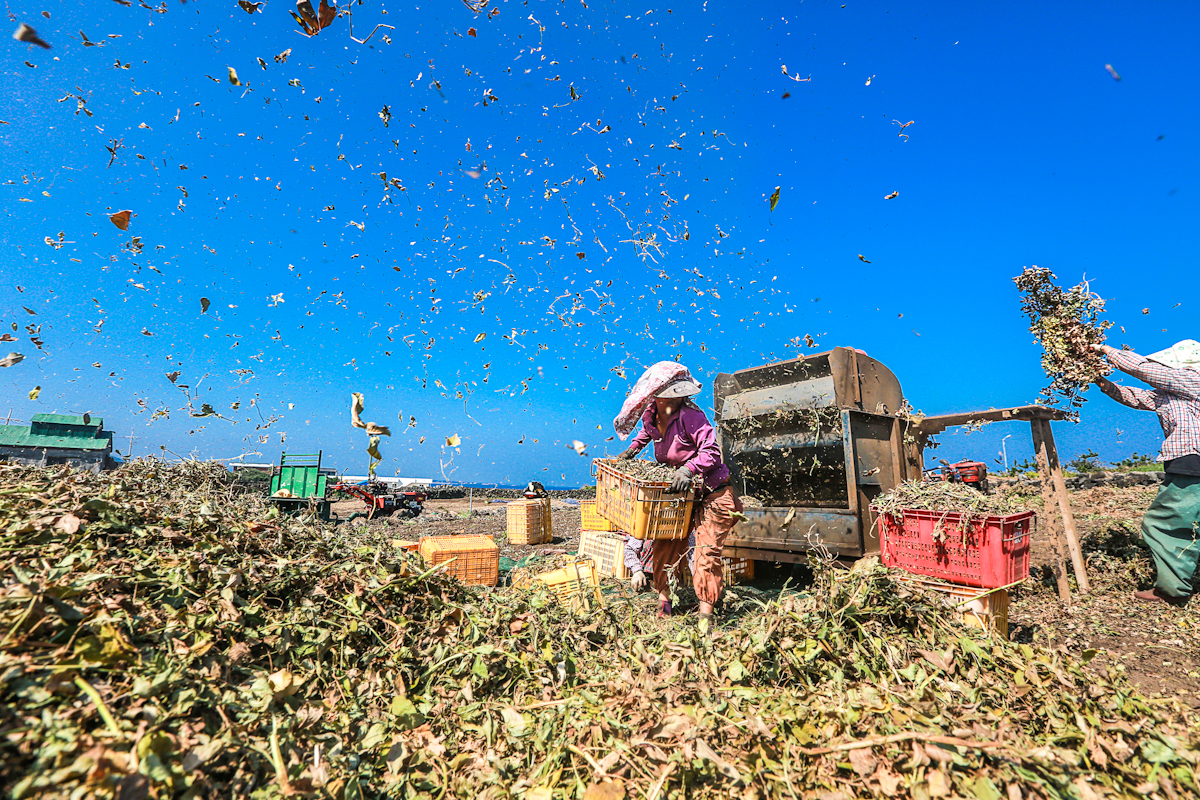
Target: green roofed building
58,439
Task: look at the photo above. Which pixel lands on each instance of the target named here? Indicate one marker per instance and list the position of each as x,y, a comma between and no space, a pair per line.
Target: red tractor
383,501
971,473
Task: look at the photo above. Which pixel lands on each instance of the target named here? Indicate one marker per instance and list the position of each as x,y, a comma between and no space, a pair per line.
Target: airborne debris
25,33
313,23
121,219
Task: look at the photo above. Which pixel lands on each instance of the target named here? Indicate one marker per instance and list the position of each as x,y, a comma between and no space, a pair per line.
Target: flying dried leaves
233,76
313,23
25,33
356,407
453,441
249,7
204,304
479,337
775,198
863,259
10,359
891,196
34,392
1112,72
373,430
121,219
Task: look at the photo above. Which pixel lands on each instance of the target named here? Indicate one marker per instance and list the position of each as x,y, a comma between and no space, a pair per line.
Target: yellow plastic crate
607,549
738,569
529,522
590,519
643,508
570,581
980,608
476,559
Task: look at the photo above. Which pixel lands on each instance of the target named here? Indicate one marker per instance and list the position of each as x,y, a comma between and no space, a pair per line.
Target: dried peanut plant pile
163,636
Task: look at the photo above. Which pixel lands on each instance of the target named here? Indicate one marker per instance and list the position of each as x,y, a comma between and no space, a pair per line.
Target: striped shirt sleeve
1181,382
1141,399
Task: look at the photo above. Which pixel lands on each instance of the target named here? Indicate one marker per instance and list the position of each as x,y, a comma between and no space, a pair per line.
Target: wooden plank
1064,505
1053,521
932,425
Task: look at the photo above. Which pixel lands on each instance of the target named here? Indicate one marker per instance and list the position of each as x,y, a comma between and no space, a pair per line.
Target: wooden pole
1053,520
1064,504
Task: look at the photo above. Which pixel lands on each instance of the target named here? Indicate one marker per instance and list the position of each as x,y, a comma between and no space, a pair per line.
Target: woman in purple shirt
684,438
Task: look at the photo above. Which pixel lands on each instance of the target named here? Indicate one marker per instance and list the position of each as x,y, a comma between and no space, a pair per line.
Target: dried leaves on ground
164,635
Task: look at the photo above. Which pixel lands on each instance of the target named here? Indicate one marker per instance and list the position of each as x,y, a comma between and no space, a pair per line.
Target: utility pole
129,452
8,419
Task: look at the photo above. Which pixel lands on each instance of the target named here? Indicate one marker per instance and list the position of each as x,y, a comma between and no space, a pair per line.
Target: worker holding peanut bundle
684,439
1170,525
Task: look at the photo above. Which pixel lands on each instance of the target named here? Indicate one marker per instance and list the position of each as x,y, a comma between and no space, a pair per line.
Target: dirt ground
1156,644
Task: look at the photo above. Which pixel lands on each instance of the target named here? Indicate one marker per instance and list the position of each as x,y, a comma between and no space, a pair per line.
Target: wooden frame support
1053,521
1064,536
1064,504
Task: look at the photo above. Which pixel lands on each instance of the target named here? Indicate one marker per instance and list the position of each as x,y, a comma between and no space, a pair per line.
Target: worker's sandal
1157,596
664,608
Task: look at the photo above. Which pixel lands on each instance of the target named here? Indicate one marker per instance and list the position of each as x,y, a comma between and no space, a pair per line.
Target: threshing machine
815,440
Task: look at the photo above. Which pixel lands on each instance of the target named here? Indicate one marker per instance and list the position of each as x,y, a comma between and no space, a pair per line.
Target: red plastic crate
991,552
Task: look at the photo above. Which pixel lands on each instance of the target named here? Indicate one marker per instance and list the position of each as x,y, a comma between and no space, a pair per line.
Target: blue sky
523,163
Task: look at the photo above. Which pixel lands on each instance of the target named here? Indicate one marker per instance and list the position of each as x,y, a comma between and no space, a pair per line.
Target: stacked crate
978,608
474,560
607,549
529,522
975,560
590,519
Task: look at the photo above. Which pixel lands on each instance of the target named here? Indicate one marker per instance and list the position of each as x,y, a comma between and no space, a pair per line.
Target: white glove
638,581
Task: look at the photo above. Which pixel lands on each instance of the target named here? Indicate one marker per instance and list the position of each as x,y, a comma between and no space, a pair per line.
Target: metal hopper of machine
815,439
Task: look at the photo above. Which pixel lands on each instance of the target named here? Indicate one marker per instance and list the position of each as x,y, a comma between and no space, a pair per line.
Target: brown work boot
1156,596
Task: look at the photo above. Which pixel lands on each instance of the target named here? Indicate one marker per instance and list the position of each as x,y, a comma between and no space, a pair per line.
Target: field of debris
167,636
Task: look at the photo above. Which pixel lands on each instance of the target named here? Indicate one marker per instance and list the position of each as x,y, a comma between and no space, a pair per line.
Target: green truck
298,484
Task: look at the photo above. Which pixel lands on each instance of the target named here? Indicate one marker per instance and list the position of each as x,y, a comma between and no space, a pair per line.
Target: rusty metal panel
797,529
781,441
816,393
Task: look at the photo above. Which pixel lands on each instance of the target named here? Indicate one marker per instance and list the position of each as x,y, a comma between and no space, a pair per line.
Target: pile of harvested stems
163,637
947,497
640,469
1066,324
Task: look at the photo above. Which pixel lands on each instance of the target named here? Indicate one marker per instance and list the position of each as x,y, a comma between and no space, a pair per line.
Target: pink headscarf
653,381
